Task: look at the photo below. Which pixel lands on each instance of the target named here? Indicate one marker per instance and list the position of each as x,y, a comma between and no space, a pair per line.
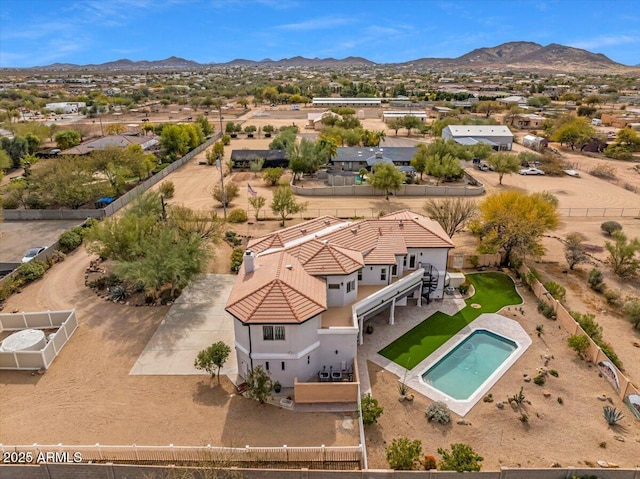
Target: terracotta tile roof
418,231
386,249
321,258
279,238
279,290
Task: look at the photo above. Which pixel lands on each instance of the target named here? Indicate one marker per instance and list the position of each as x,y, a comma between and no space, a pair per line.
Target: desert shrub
613,297
9,204
371,409
545,309
595,280
236,259
557,291
32,270
461,458
57,257
272,176
232,238
35,202
553,373
237,216
606,172
579,343
618,152
632,309
438,412
589,324
70,240
167,189
610,227
539,380
403,454
612,415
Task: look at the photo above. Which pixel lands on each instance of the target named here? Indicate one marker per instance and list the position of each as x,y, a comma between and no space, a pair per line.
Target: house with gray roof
498,136
355,158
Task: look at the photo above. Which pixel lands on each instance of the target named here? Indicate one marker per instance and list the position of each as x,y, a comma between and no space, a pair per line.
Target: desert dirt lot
87,396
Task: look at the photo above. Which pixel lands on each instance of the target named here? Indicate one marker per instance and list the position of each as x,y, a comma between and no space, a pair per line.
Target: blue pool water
467,366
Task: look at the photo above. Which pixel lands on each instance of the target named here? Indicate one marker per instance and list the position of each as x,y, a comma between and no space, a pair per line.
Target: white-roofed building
498,136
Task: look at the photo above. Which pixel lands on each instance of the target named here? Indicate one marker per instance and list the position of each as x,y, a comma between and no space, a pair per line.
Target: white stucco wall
371,274
340,297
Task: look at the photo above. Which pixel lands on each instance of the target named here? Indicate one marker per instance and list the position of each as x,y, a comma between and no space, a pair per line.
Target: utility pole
224,193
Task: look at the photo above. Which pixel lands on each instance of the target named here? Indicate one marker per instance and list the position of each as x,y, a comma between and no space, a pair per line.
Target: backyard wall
122,471
463,260
405,190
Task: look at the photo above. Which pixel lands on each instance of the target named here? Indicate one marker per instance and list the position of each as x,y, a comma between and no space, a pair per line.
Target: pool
464,369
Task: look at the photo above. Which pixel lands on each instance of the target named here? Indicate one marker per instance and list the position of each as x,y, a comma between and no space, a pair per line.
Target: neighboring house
535,142
388,116
513,100
354,102
529,121
66,107
314,120
355,158
303,293
498,136
120,141
272,158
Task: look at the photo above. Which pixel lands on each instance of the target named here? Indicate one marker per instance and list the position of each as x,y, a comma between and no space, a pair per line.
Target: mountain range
512,55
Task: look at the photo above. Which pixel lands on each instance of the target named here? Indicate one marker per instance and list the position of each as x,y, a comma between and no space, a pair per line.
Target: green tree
213,358
225,197
17,191
403,454
504,164
410,122
488,107
444,167
302,157
610,227
451,213
112,163
284,203
573,132
623,255
419,160
5,162
175,141
256,166
513,223
538,101
574,250
272,176
67,139
579,343
386,177
461,458
259,384
204,224
257,203
371,409
395,125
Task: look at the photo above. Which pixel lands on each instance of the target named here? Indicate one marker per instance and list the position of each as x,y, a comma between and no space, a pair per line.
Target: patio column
360,328
392,317
419,295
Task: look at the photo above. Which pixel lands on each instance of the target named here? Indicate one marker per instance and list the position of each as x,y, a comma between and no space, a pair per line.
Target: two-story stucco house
303,293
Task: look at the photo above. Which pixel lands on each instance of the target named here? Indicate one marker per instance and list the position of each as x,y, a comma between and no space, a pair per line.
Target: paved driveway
195,321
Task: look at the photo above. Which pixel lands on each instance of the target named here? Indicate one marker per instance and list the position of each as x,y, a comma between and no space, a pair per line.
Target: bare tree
451,213
574,251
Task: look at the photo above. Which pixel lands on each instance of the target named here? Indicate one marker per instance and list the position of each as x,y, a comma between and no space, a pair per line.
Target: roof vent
303,230
288,266
327,222
378,154
401,225
325,241
354,230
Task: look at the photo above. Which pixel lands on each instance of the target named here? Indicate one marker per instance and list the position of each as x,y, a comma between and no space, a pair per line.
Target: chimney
249,262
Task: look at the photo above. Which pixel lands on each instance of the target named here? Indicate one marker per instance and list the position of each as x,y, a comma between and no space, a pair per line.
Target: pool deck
493,322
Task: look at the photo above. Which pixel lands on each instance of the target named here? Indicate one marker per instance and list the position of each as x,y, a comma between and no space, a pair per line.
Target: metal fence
600,212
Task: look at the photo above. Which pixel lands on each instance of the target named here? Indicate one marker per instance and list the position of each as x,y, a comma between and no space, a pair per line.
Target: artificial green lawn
493,291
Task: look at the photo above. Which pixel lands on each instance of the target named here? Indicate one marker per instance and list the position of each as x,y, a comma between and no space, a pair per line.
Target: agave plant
612,415
119,293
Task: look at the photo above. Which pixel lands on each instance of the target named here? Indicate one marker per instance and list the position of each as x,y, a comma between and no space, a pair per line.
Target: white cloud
605,41
320,23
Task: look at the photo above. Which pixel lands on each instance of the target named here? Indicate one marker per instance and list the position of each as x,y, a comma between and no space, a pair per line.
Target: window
283,365
351,286
404,261
266,365
360,275
383,274
271,333
412,261
394,270
267,333
334,286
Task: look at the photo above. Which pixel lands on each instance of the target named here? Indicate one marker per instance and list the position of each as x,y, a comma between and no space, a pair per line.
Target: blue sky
41,32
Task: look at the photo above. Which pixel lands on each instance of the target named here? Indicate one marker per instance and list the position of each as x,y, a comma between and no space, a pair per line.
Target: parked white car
531,171
572,173
32,253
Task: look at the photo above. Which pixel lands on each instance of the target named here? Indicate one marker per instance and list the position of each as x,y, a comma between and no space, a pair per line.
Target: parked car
531,171
572,173
32,253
